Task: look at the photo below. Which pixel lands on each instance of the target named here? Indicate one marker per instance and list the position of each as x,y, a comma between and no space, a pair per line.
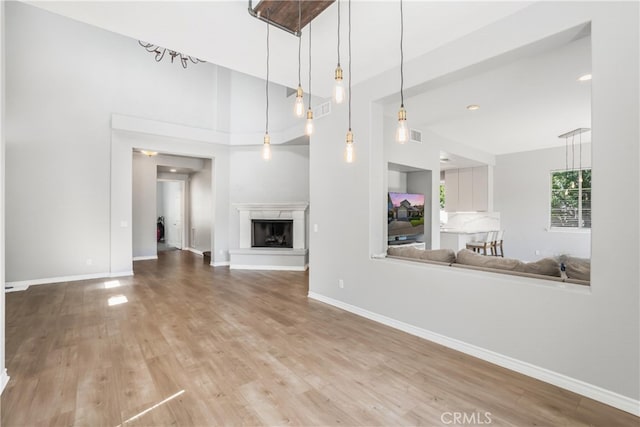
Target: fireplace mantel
291,206
246,257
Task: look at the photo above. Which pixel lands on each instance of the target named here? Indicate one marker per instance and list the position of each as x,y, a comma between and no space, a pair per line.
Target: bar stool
498,243
487,243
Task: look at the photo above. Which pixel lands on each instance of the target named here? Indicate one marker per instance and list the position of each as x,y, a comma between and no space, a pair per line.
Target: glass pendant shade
299,105
308,129
402,132
348,151
266,147
338,88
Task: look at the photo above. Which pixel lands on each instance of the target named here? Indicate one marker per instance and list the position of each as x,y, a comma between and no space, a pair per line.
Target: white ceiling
526,100
524,104
223,32
453,161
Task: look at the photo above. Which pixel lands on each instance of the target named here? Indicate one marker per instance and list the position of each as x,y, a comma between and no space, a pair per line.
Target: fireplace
272,233
273,236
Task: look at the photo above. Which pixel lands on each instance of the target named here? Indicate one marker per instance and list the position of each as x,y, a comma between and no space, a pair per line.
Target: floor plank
196,345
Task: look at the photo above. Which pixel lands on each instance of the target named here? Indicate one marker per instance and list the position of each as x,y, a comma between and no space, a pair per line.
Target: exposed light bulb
308,129
348,152
402,133
338,88
299,105
266,147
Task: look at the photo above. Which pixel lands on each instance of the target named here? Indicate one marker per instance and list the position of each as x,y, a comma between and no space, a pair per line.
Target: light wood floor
201,346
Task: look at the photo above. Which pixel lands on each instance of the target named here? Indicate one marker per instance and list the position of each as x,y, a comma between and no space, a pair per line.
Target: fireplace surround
277,248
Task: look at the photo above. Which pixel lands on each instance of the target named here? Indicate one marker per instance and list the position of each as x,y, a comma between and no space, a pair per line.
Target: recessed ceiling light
444,160
149,153
172,170
584,78
473,107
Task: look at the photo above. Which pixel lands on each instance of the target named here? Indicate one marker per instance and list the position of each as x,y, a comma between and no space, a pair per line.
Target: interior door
173,214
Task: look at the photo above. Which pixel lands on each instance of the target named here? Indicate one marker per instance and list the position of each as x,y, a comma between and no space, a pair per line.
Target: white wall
559,330
522,196
159,200
284,178
59,106
397,181
3,371
243,120
200,209
144,206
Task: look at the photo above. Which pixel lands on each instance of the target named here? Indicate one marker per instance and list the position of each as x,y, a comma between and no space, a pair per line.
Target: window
571,199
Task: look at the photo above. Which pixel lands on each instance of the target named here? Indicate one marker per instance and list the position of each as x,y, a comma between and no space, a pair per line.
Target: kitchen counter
458,239
454,231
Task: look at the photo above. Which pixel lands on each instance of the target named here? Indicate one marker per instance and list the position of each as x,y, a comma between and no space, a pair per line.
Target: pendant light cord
299,40
338,33
309,90
267,82
401,56
349,64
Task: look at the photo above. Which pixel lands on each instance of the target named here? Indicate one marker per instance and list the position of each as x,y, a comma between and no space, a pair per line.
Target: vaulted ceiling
524,105
224,33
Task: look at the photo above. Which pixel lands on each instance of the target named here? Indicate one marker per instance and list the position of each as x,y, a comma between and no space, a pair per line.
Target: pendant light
308,129
402,133
299,104
338,88
349,151
266,146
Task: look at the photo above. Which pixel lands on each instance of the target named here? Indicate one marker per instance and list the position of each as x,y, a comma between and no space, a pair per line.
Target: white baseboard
48,280
219,264
23,285
122,274
14,288
594,392
145,258
195,251
270,267
4,380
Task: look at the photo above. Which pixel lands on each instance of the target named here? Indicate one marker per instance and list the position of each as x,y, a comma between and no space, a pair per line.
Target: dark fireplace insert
272,233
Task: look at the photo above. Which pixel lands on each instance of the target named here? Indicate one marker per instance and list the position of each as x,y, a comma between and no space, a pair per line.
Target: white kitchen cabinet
466,189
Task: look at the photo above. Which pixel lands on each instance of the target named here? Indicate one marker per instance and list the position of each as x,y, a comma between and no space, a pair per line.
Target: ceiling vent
415,135
322,110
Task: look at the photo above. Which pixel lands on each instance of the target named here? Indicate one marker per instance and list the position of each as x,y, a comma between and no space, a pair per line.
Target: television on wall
405,216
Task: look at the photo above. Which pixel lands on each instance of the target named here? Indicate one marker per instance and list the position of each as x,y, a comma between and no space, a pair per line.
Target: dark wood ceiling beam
285,12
